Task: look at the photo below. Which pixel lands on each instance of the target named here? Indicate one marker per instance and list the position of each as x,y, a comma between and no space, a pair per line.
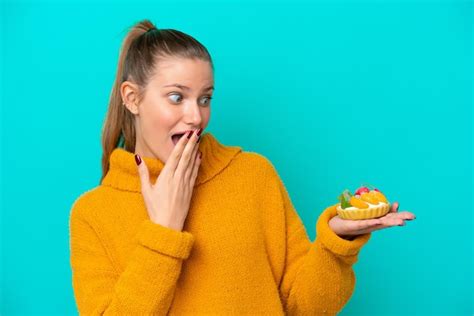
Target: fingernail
398,205
138,160
200,154
199,132
199,139
190,134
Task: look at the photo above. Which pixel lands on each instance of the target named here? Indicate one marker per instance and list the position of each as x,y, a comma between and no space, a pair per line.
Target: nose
193,114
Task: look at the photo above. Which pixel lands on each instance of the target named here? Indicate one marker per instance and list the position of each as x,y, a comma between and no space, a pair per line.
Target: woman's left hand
349,229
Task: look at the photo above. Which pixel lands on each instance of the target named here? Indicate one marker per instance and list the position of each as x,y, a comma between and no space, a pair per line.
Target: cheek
206,115
156,122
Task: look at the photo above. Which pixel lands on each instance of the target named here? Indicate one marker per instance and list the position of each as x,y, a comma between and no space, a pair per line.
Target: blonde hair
142,49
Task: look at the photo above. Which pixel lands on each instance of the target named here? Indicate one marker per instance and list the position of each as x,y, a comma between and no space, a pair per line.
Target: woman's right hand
168,199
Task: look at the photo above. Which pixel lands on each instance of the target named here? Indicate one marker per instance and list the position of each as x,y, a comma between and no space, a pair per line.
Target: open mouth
176,137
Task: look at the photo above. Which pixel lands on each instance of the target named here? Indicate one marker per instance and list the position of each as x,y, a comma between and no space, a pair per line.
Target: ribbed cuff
332,241
165,240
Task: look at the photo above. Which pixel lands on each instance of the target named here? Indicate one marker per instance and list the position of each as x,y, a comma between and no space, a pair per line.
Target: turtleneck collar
123,171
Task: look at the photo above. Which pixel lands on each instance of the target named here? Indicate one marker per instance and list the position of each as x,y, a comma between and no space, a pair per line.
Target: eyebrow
186,88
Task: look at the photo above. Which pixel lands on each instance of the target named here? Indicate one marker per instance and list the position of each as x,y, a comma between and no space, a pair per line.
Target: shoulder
257,163
86,202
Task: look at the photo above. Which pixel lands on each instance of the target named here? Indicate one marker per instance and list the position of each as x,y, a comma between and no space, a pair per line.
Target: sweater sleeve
318,277
147,284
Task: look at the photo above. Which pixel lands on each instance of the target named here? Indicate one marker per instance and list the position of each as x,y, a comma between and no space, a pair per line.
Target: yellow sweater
243,249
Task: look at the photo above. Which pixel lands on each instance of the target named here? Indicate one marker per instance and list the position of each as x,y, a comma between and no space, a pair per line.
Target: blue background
334,93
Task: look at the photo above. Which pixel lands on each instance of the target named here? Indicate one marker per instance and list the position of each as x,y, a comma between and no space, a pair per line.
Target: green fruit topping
344,198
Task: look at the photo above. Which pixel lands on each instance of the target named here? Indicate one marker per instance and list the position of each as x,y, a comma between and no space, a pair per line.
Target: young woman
189,226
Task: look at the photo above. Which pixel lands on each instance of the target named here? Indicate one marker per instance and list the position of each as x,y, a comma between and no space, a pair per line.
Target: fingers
175,156
390,219
387,220
394,207
192,163
406,215
377,224
196,169
397,218
393,213
143,173
185,159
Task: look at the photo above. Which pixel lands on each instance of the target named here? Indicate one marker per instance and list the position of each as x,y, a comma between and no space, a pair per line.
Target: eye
179,98
209,100
175,94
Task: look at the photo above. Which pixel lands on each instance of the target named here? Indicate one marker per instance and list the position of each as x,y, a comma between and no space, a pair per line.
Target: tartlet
365,203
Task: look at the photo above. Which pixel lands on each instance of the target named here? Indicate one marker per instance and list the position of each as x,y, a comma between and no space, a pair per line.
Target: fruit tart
366,202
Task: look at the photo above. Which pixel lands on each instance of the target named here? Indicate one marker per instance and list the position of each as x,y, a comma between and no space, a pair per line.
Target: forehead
185,71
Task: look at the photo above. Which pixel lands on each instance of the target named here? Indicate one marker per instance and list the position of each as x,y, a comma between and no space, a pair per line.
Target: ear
129,92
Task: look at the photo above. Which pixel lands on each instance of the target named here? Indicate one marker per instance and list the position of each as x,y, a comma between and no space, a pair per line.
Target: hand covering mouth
177,136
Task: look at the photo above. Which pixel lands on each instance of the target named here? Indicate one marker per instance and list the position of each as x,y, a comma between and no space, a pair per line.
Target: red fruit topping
362,190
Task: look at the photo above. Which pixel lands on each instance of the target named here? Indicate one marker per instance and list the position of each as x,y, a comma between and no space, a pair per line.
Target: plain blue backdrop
334,93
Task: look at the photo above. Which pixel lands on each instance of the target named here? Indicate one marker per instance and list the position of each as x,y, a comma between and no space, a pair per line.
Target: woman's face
176,99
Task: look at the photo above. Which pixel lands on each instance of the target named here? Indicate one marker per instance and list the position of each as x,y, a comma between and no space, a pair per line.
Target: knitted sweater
243,249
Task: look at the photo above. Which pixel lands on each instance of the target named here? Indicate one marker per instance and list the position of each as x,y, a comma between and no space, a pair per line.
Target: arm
148,282
318,278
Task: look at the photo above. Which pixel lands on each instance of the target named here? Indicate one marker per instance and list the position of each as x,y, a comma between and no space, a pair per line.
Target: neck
145,151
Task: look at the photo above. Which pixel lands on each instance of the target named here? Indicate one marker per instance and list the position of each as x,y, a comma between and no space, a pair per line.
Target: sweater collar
123,172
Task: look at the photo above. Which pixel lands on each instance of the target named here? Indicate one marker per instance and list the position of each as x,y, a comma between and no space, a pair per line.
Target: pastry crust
373,211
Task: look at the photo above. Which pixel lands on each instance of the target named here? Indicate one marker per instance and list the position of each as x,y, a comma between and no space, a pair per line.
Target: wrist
169,223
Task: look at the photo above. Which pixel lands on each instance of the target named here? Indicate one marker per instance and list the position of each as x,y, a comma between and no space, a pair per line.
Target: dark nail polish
190,134
200,154
138,160
199,132
199,139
